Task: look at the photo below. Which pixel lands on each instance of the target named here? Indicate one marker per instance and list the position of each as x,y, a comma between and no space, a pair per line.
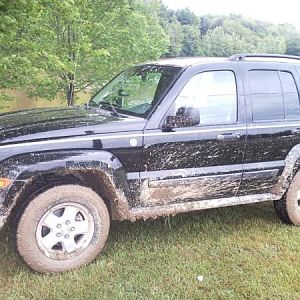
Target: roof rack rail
242,56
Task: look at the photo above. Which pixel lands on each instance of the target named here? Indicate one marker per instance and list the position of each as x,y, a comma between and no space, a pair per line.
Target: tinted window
264,82
274,95
290,94
288,83
213,94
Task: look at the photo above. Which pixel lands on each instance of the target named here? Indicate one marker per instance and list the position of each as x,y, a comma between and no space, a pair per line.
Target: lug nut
58,226
67,236
72,228
68,222
58,235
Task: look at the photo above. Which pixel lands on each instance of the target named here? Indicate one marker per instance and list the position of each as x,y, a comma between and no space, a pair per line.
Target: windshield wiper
116,113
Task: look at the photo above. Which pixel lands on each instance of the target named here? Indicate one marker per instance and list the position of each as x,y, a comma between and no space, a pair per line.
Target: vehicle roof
186,61
190,61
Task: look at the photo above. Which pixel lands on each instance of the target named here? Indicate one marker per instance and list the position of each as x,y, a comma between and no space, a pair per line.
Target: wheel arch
292,166
101,171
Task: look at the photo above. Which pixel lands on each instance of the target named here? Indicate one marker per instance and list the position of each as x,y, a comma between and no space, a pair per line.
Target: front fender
22,168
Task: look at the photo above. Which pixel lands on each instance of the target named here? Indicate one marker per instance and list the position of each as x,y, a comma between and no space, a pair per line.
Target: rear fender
292,163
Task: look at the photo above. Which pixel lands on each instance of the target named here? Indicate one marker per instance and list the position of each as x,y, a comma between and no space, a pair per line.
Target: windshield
136,90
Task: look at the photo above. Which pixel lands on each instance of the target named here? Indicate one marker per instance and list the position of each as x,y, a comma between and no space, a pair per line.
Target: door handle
228,136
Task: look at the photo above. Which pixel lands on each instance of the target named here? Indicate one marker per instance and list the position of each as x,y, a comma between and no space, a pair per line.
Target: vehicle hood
51,123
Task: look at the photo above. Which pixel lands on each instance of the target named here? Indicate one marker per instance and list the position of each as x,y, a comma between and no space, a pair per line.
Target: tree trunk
72,58
70,94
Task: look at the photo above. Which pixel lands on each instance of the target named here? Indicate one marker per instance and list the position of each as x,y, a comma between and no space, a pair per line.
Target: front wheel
61,229
288,208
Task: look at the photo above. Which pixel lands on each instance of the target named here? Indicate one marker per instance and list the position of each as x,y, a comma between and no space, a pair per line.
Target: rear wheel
61,229
288,208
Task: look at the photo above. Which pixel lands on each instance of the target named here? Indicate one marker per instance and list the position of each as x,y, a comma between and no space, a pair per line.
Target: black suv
161,138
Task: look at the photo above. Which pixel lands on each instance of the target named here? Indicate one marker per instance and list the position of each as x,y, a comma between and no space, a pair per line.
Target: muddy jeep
161,138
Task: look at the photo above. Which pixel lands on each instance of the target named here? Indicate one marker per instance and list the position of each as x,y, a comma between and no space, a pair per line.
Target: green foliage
191,41
186,17
219,43
208,35
292,37
63,47
175,33
58,48
4,100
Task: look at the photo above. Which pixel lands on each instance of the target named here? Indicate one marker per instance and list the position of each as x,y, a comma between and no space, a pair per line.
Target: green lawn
242,252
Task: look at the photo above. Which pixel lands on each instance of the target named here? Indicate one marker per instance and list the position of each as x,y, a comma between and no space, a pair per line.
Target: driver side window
213,94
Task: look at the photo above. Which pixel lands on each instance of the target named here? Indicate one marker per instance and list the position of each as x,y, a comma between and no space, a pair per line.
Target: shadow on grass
219,221
10,262
232,217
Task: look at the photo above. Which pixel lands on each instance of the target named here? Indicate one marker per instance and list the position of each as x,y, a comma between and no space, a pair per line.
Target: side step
175,208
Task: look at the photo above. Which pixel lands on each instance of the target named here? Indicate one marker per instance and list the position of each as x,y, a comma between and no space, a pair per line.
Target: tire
280,209
63,228
288,208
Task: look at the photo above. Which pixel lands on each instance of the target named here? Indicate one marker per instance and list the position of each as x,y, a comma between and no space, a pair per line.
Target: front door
203,161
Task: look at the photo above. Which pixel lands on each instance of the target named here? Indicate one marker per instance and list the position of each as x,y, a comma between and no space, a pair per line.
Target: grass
243,253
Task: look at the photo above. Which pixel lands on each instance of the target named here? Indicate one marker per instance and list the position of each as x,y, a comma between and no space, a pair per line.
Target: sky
277,12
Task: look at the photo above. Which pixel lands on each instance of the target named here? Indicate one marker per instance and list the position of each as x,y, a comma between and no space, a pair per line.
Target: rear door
273,114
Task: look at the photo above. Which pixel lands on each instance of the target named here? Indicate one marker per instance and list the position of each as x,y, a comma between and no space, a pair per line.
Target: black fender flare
21,168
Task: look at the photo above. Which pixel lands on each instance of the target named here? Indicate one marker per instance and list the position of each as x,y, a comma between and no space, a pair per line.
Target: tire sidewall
26,241
292,206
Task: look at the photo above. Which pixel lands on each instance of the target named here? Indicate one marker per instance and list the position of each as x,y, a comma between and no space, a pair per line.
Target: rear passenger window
264,82
274,96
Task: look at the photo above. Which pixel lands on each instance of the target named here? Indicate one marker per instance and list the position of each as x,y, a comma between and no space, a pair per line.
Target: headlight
4,183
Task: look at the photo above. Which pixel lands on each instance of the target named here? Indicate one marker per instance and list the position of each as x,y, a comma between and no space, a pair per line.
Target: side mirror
122,93
185,117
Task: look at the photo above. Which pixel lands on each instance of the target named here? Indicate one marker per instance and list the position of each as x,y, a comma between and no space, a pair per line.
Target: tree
186,17
174,31
209,22
166,15
271,44
226,35
293,44
191,41
292,37
219,43
71,45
